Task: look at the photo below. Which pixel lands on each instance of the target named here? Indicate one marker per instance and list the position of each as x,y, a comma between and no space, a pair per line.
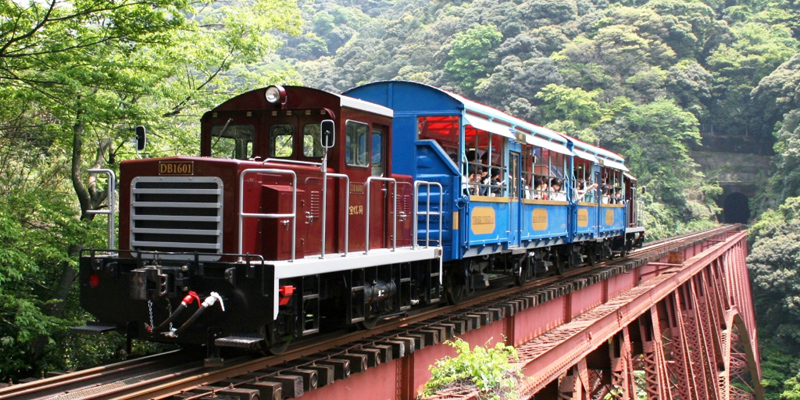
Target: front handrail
394,210
290,161
243,215
110,190
427,212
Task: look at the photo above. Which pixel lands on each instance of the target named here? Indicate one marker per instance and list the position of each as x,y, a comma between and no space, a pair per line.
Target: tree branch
179,107
33,30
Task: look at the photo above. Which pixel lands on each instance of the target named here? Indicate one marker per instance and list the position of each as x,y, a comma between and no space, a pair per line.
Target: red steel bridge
679,327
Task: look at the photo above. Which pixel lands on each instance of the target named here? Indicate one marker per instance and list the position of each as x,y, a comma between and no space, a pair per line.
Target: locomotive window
311,145
355,141
235,141
377,151
281,139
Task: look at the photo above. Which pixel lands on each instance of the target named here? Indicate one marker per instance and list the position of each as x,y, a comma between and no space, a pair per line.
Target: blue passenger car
514,194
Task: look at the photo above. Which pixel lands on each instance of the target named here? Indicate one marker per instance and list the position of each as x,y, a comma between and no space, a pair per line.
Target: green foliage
34,228
468,53
773,261
75,78
488,369
562,103
777,370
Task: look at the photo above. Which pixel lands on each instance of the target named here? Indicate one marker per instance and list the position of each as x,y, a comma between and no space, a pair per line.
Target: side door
515,211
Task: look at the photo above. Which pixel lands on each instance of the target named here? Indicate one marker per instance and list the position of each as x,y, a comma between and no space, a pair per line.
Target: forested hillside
647,79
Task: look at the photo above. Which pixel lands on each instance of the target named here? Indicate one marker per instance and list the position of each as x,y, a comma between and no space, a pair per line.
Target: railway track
309,365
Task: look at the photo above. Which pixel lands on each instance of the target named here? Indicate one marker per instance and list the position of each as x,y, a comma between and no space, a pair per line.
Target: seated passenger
539,188
496,182
483,182
557,193
606,195
471,179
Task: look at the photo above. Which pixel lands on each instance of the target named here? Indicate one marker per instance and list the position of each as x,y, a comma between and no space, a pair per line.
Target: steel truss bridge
679,327
673,320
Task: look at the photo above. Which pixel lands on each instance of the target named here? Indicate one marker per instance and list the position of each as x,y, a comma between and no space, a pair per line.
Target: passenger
582,192
484,180
472,176
539,188
557,193
606,195
497,182
526,189
618,195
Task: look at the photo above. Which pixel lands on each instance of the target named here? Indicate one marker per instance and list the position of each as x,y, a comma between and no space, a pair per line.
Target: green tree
468,52
560,102
737,68
76,77
773,261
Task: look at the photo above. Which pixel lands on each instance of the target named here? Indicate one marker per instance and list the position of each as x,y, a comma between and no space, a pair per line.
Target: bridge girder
694,342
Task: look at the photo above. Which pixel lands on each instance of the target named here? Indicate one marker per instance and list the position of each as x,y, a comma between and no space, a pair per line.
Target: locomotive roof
300,97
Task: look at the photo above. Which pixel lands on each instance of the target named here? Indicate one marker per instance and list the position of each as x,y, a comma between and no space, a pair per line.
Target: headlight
276,95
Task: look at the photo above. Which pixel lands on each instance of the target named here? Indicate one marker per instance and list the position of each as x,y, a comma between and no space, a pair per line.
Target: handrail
292,216
290,161
111,190
428,212
394,210
346,213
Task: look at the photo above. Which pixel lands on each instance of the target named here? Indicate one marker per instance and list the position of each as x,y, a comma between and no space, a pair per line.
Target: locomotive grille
177,214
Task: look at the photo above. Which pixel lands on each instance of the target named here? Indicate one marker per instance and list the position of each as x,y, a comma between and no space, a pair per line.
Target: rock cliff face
732,168
747,143
740,165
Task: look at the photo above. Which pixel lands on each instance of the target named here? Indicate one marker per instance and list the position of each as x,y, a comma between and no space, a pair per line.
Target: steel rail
48,387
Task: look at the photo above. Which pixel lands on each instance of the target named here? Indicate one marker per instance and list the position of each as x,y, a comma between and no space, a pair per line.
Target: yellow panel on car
483,220
539,218
609,217
583,218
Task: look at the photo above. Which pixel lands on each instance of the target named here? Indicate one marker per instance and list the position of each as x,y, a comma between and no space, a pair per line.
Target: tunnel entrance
735,209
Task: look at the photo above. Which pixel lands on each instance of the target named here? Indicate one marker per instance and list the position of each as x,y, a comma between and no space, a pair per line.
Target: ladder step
241,341
94,327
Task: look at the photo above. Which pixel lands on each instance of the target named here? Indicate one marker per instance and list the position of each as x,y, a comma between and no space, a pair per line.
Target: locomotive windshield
232,141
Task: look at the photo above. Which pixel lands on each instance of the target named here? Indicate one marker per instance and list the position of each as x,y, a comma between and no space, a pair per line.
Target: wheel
558,263
521,271
369,323
279,347
590,255
454,288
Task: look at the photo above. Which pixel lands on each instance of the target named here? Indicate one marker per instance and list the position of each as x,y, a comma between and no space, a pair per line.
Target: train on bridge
310,211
